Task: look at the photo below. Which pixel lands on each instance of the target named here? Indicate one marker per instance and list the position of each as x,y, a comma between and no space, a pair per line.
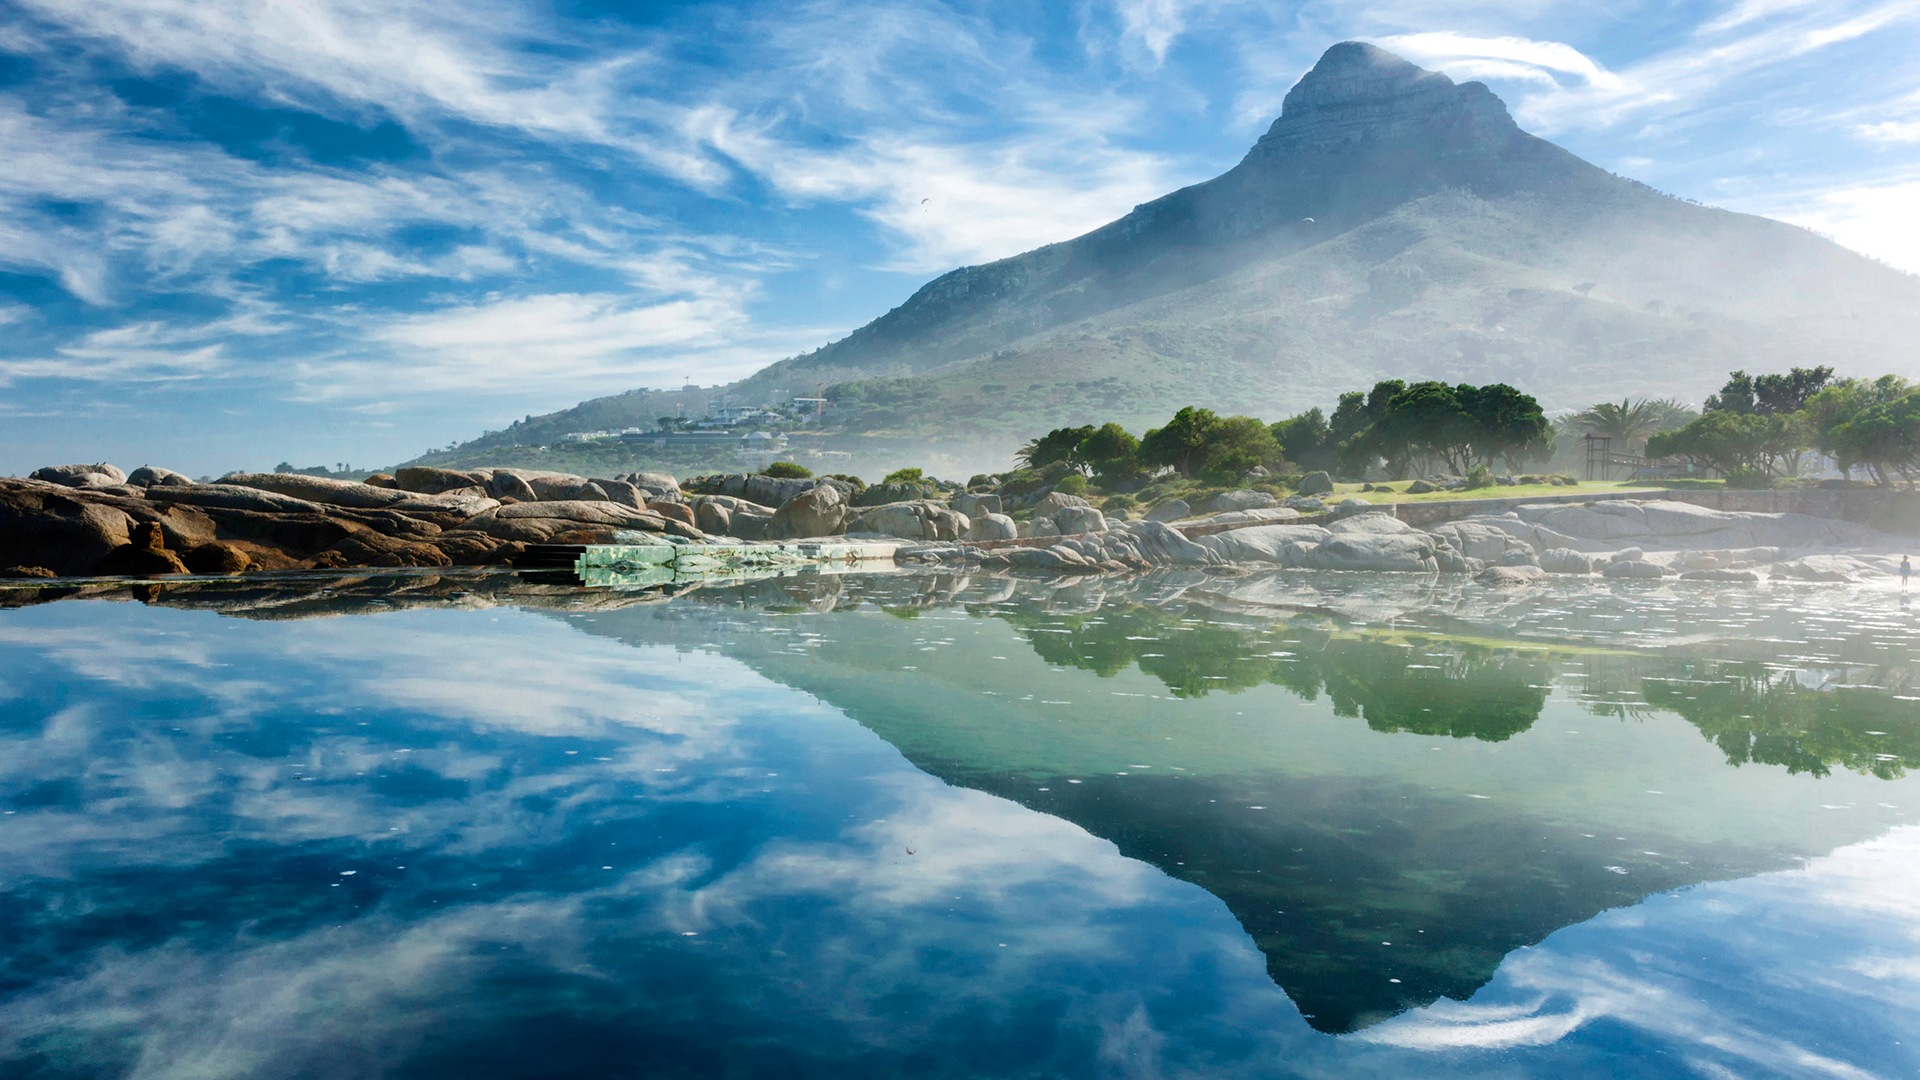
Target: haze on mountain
1391,223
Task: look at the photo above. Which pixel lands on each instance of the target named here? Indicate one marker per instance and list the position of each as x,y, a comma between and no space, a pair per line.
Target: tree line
1404,426
1755,430
1759,428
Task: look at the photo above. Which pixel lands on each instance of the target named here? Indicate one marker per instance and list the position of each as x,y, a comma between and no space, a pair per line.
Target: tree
1884,437
1306,440
1197,442
1769,395
1061,445
787,470
1506,424
1113,454
1429,419
1181,445
1631,422
1738,445
1872,444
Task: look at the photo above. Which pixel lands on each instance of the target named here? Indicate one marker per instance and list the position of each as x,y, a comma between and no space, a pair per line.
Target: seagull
1306,221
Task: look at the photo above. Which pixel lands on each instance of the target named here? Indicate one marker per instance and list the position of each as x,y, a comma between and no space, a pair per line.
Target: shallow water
919,824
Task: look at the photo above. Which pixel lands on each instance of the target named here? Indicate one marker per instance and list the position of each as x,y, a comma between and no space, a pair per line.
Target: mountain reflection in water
1391,786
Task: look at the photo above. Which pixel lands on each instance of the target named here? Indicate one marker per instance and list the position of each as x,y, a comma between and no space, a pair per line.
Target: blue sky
237,231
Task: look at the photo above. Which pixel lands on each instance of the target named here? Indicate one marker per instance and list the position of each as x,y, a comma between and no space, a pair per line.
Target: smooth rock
149,475
428,480
1635,569
1277,544
1510,575
975,505
921,519
318,489
1568,561
1420,487
1406,552
1079,519
1242,499
234,497
1726,576
818,511
80,476
1171,510
1316,483
991,526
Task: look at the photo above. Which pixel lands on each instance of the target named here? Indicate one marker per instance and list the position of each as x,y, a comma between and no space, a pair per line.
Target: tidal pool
927,824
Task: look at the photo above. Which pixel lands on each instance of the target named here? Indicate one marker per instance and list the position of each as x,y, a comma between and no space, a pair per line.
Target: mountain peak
1359,91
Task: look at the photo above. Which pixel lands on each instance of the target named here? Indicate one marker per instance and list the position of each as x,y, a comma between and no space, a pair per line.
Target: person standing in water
1906,570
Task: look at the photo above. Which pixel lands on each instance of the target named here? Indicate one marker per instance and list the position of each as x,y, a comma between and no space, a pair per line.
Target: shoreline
96,524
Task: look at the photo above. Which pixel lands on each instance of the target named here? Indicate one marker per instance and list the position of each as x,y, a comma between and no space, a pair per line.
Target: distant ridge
1390,223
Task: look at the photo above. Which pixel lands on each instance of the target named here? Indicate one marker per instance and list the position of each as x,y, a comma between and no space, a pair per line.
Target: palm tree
1631,422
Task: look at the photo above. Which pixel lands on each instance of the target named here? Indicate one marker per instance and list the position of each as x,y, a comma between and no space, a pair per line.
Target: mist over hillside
1391,223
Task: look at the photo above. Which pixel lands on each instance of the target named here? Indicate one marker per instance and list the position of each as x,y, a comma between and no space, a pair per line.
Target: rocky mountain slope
1390,223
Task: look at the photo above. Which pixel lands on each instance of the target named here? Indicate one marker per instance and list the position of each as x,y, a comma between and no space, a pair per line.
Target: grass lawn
1517,491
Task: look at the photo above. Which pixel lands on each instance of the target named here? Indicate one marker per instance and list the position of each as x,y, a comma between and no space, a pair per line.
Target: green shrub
1479,477
858,484
1119,502
905,476
1745,476
787,470
1071,484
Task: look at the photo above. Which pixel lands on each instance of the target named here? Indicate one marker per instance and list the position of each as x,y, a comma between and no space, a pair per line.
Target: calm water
1315,825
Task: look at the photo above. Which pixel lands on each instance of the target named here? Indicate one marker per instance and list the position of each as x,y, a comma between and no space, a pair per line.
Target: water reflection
515,829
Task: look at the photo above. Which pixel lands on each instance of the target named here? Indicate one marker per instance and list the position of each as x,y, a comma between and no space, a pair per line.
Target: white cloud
1874,219
1152,24
955,203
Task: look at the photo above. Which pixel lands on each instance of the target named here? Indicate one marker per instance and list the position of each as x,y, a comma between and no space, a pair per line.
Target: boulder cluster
75,520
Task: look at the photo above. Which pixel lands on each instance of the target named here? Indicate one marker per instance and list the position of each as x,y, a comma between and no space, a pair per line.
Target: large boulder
1054,502
144,555
657,482
1411,551
234,497
541,522
975,505
1241,499
80,476
150,475
1281,545
318,489
922,519
626,493
1479,540
991,527
884,494
818,511
1420,487
1171,510
1510,575
1160,544
1569,561
672,511
43,526
1635,569
712,517
1373,523
507,484
1316,483
427,480
1079,519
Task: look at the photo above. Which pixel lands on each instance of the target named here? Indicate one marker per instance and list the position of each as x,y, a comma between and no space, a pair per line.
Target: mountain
1391,223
